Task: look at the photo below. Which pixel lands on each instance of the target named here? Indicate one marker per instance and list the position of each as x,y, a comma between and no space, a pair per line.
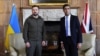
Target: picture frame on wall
48,2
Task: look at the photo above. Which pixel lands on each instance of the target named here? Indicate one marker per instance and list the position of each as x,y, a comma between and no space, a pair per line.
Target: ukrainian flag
13,26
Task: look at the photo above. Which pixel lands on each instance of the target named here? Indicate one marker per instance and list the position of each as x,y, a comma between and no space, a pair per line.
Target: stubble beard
35,14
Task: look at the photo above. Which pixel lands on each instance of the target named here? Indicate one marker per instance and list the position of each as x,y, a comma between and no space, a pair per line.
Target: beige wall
5,10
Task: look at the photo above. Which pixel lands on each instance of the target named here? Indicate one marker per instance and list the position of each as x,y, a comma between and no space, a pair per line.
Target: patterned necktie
66,25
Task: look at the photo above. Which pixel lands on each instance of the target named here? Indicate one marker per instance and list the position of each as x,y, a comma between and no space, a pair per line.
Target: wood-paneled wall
6,6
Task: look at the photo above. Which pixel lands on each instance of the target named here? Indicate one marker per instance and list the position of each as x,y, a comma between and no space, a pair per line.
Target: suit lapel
71,19
63,21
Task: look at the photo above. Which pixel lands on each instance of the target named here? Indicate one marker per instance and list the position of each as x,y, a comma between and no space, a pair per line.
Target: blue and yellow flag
13,26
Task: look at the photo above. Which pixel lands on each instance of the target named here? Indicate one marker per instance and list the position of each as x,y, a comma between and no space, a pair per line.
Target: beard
35,14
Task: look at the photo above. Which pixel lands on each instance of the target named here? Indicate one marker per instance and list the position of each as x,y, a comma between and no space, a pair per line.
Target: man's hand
43,43
62,45
79,45
27,44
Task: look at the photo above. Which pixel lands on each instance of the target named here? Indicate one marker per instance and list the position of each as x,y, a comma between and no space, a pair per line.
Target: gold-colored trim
30,3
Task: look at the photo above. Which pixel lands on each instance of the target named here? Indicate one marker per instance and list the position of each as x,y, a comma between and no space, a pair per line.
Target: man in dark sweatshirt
33,33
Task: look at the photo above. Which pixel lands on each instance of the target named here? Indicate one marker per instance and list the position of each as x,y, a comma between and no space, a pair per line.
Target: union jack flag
86,25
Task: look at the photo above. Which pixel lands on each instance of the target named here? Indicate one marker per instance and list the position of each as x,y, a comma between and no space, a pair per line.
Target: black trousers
70,48
35,49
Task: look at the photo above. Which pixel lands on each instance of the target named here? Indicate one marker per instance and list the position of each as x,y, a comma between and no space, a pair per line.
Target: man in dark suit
70,32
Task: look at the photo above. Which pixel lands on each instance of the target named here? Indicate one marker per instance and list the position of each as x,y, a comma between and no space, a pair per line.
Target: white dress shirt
69,32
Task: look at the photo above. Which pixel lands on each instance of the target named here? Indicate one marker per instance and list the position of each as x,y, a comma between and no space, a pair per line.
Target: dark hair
65,5
35,6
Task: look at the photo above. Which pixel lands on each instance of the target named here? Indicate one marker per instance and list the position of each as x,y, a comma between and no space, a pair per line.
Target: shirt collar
67,16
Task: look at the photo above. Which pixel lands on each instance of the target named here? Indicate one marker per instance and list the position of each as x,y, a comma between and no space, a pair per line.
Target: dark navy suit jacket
75,30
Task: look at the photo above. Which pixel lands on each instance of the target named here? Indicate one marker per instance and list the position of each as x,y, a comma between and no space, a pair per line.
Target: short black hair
35,6
65,5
